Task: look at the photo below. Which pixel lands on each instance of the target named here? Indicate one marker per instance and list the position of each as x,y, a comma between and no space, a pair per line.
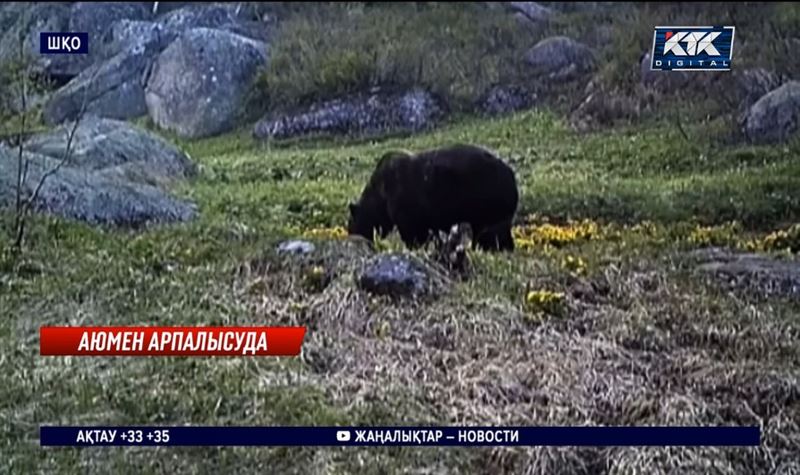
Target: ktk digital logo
692,48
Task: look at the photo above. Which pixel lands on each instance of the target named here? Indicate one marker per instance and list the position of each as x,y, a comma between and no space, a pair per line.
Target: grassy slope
657,348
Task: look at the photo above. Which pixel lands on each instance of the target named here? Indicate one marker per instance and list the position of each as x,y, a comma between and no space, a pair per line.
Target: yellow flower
530,236
781,240
721,235
545,301
574,264
317,271
336,232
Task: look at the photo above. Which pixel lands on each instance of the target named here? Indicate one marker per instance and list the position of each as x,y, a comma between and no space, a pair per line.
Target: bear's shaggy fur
422,194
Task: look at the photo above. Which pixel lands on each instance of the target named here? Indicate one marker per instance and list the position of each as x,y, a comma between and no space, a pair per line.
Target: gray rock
559,58
94,18
124,34
413,111
202,16
533,11
296,247
199,83
396,276
90,197
113,89
760,274
752,84
774,118
507,99
116,148
10,13
30,19
127,34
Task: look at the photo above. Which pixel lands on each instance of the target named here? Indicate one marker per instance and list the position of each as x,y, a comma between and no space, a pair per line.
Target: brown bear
424,193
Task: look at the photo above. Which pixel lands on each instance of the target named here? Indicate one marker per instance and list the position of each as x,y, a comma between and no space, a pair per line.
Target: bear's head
357,224
365,221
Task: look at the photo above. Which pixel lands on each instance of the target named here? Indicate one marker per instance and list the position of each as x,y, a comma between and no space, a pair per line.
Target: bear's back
469,162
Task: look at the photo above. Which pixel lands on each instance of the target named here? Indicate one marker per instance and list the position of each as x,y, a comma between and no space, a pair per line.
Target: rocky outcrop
94,18
774,118
112,89
199,83
371,114
559,58
115,175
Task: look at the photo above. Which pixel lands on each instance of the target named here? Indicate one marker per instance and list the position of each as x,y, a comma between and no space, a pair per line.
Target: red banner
171,341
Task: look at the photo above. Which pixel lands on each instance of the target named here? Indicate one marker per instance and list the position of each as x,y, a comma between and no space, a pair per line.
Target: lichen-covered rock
129,34
413,111
774,117
90,197
396,276
101,143
201,16
199,84
113,89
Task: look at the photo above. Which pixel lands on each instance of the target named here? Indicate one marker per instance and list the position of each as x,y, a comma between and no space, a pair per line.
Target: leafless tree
24,201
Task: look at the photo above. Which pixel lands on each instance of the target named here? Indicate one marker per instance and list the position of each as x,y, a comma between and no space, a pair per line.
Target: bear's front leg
413,236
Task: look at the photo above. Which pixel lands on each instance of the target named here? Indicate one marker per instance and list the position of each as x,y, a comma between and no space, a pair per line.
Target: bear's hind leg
496,238
505,238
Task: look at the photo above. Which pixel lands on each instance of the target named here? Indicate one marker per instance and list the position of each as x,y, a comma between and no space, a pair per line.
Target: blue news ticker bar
405,436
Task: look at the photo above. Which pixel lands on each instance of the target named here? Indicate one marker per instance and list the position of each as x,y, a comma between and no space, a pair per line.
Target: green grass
251,197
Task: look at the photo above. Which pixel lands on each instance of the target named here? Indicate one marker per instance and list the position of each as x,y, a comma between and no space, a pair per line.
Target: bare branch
22,164
29,202
67,151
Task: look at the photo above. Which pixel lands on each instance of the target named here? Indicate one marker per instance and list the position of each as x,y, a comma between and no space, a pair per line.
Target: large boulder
113,89
774,118
202,16
88,196
752,84
199,83
100,144
371,114
235,18
124,35
115,174
559,58
94,18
